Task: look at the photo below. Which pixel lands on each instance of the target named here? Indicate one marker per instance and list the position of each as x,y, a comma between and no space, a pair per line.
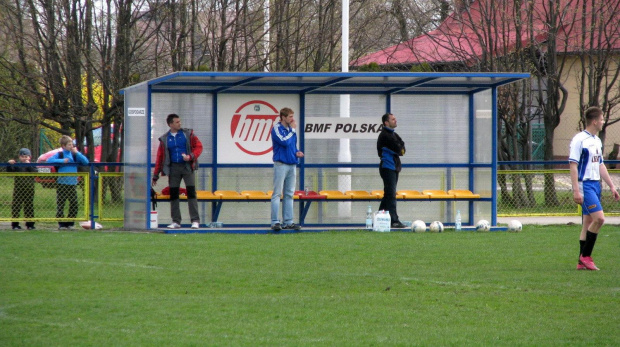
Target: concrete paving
548,220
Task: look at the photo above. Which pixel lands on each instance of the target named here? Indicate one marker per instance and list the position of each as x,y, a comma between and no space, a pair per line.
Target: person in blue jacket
390,148
285,160
66,185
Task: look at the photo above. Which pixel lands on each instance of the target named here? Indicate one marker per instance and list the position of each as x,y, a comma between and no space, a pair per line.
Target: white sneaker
174,226
195,225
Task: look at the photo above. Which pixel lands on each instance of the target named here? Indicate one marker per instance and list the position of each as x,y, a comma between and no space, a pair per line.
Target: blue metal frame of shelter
388,84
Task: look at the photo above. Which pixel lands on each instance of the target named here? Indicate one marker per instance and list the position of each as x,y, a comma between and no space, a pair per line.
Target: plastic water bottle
457,223
369,218
306,191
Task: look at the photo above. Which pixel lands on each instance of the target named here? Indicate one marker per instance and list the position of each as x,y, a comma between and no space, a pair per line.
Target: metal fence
545,189
36,196
110,196
545,193
32,197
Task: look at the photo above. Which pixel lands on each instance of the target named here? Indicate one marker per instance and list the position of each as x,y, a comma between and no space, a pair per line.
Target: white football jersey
587,151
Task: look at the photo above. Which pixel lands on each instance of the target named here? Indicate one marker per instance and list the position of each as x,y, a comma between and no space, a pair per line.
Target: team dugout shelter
447,120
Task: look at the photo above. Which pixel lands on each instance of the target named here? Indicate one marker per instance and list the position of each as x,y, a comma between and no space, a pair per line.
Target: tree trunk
551,198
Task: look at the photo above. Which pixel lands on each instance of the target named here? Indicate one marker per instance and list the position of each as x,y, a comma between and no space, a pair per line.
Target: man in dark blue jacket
285,159
390,147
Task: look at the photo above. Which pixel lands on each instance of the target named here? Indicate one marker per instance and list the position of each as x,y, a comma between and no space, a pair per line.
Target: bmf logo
251,126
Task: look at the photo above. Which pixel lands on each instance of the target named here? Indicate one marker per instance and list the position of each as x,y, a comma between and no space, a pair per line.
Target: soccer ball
483,225
86,225
418,226
515,225
436,227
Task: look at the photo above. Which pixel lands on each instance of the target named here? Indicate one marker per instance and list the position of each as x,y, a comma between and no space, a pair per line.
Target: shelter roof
328,82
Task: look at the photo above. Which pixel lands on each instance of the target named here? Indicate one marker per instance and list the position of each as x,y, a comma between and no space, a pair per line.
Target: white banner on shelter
244,123
342,128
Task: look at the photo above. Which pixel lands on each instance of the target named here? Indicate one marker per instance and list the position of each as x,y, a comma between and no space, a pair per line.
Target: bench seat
411,195
335,195
360,194
430,194
255,195
228,195
463,194
311,195
306,199
437,194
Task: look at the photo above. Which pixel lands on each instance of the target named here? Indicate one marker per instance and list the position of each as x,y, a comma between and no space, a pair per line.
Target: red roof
462,36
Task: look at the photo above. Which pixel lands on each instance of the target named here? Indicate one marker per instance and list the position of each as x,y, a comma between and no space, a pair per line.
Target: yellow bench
410,195
360,195
463,194
429,194
437,194
255,195
219,196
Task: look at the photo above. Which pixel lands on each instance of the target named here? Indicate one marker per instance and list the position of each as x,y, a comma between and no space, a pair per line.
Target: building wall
569,121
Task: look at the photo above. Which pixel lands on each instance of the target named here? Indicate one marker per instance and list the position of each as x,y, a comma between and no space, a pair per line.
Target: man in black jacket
390,147
23,190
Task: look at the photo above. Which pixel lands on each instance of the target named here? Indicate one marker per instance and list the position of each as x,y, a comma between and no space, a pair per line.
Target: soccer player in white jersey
586,170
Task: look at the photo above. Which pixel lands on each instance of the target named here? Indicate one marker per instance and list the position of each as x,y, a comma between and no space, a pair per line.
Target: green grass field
308,289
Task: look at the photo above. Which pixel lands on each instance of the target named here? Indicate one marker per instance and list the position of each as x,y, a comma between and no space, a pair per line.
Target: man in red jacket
177,158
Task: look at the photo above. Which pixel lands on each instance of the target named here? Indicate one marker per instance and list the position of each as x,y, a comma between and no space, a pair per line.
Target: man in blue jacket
390,148
285,159
66,184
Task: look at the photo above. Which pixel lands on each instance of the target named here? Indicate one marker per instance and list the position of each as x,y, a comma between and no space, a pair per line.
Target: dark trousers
388,203
66,192
23,199
183,172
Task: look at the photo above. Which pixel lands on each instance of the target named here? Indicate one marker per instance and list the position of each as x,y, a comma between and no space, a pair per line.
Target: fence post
93,179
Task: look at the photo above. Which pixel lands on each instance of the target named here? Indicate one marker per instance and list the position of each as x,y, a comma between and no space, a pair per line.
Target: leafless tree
481,38
379,24
599,43
67,61
49,41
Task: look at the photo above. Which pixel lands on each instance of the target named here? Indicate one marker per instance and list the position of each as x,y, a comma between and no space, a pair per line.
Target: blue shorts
591,192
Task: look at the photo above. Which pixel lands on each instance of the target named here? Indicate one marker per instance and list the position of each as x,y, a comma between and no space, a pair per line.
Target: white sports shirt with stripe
587,151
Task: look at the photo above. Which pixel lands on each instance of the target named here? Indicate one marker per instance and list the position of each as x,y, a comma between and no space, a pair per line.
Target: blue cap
25,151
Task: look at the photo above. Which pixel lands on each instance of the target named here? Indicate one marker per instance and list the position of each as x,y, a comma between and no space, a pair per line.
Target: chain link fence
33,197
545,193
110,196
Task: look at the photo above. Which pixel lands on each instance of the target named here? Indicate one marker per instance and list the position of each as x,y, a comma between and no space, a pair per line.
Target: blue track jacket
68,180
284,141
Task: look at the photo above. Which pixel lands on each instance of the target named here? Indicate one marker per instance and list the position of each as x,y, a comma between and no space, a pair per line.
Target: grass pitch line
441,283
4,315
114,264
42,322
458,284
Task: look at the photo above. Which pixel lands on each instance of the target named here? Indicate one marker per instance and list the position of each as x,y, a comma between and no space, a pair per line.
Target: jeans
388,203
283,185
